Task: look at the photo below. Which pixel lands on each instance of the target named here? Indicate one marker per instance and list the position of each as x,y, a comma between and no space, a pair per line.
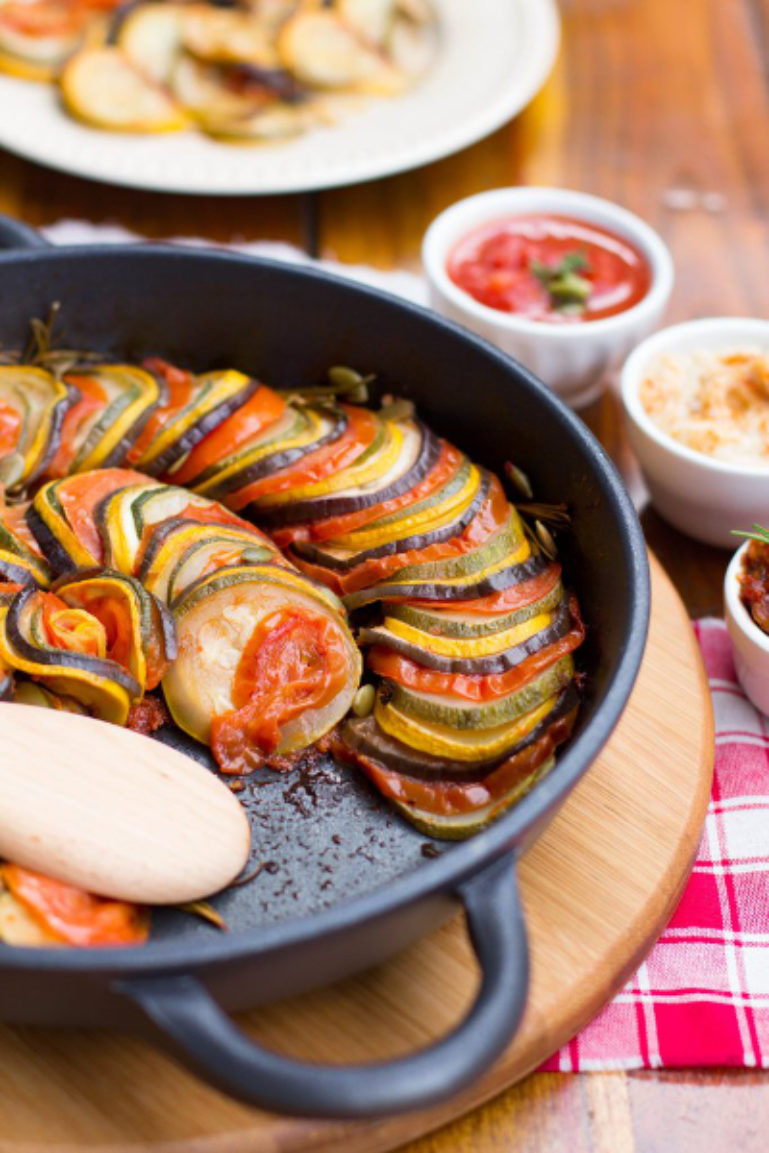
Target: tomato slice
14,518
489,519
404,671
442,471
10,427
362,427
72,915
294,661
74,630
259,411
509,599
92,400
179,384
83,493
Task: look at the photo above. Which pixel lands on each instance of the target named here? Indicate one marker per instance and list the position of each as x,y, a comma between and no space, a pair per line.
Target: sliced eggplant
101,87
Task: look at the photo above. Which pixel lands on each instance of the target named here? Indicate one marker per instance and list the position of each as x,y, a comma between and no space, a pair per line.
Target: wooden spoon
113,812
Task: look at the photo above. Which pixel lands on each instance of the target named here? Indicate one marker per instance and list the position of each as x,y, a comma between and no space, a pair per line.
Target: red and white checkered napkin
702,995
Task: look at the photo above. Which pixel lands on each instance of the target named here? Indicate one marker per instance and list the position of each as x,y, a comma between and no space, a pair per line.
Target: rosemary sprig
757,532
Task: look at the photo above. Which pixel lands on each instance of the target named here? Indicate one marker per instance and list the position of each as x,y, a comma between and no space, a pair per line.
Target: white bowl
573,359
703,497
750,644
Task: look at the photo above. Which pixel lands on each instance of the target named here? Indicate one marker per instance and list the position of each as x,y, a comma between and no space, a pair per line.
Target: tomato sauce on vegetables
550,268
294,661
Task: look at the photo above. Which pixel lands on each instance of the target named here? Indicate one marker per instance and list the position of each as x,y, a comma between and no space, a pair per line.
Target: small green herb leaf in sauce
568,291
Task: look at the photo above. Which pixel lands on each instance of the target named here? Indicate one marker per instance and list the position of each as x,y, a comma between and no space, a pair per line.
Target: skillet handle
203,1036
14,234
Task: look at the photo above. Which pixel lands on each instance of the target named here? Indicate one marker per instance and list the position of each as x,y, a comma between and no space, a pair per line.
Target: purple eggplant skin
474,666
54,438
315,554
443,594
194,434
60,658
57,557
308,510
276,462
164,619
6,685
363,735
16,574
162,531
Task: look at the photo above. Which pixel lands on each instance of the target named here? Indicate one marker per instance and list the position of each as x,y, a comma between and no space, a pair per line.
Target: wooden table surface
662,106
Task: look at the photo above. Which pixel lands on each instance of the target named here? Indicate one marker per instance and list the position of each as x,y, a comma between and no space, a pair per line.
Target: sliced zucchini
463,745
101,87
216,620
455,712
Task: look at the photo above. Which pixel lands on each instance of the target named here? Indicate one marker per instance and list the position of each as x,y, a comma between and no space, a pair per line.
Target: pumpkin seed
545,539
363,701
519,479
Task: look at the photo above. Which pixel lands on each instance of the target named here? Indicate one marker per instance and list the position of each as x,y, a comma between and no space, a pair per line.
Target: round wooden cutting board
598,888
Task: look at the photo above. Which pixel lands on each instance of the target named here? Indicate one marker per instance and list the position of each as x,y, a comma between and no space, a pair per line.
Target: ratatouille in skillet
131,561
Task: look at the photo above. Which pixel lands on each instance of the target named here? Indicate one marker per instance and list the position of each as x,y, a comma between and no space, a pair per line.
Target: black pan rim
449,871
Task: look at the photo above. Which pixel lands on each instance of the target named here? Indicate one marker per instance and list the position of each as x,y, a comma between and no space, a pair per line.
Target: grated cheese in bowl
713,402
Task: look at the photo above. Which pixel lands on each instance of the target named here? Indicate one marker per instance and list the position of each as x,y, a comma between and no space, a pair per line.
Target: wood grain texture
107,810
597,888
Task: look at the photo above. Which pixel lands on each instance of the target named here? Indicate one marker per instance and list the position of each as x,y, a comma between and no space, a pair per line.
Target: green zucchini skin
487,716
500,662
444,625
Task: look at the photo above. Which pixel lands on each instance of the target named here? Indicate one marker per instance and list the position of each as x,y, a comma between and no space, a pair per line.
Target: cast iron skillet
345,883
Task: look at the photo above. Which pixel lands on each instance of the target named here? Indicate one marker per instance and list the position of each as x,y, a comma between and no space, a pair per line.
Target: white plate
494,56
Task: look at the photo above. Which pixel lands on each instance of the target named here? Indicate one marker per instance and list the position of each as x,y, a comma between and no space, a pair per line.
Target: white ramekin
703,497
750,644
573,359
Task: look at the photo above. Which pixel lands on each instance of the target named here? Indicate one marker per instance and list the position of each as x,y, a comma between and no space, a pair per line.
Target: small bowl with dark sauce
746,607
